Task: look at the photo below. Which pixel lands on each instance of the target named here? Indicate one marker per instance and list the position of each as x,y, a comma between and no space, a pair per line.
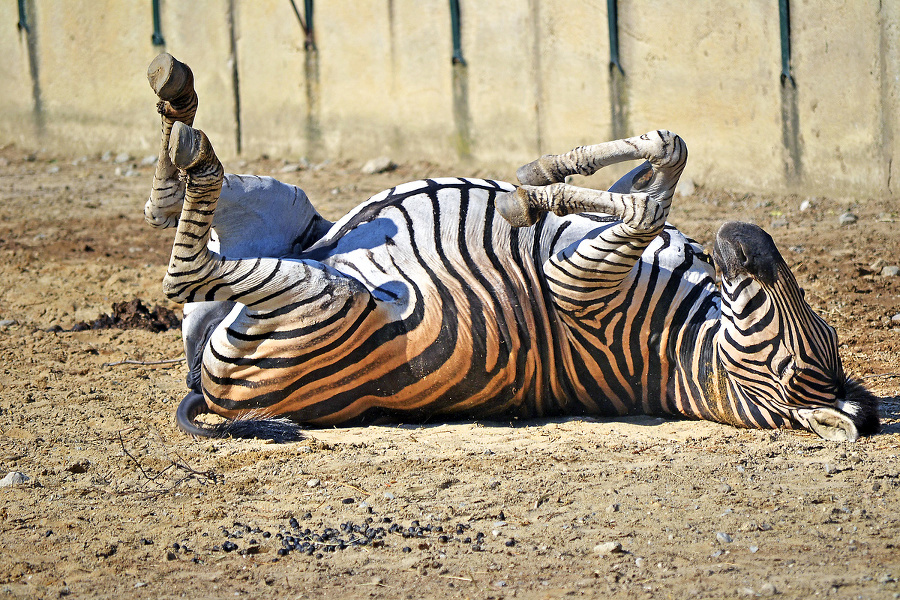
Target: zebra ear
830,424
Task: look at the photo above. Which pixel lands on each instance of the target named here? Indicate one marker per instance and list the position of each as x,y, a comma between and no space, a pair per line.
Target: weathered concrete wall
536,80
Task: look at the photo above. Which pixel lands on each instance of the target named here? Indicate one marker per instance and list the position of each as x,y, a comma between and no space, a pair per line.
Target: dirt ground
119,503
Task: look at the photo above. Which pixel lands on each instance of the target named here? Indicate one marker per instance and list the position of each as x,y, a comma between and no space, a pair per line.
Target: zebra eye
784,366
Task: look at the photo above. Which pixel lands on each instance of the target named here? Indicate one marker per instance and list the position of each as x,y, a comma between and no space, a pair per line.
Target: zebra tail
251,426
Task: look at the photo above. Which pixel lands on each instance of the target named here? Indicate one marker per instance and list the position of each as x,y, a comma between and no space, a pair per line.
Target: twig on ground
145,363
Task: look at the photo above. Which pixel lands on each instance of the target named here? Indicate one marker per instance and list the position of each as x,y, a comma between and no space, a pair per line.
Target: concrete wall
536,80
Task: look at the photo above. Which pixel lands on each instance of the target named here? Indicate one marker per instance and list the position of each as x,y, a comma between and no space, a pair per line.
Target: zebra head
780,357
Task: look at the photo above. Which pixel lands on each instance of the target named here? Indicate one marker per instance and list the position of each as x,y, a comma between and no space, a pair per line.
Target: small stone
4,323
895,320
122,158
378,165
806,205
389,496
607,548
831,469
779,223
313,483
171,555
877,265
753,549
13,478
890,271
639,562
291,168
723,538
348,501
724,488
686,187
767,589
53,170
612,508
149,160
847,218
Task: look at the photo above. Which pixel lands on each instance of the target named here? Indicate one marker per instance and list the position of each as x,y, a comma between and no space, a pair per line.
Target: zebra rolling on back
468,298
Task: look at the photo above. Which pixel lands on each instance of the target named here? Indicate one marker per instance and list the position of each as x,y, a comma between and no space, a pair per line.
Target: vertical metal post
455,29
612,18
790,112
310,31
618,96
157,37
235,79
461,116
23,18
784,20
27,25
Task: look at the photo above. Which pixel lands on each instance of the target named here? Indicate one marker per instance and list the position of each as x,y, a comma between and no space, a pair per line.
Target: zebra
464,298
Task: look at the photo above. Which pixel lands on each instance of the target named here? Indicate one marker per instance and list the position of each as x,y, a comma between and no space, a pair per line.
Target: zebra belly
444,324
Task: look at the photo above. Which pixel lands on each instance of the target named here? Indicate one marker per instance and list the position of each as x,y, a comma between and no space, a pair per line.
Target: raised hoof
514,207
188,147
171,79
534,173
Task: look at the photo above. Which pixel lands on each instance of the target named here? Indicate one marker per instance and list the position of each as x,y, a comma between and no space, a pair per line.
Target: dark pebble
510,542
348,500
229,546
468,540
406,549
266,535
146,542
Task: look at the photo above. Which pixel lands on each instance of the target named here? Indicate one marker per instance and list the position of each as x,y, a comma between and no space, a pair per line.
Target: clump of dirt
134,315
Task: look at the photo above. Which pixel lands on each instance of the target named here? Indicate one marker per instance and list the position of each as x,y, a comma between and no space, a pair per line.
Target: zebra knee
200,321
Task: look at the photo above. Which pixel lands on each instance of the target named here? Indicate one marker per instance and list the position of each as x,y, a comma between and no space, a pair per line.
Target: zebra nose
744,248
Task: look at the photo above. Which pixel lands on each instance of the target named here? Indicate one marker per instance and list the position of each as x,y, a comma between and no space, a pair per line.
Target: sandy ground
119,503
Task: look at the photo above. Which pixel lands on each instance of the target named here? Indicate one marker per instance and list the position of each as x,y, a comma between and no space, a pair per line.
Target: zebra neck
706,390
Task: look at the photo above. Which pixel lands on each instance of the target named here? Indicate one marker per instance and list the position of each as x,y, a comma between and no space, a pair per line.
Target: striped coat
467,298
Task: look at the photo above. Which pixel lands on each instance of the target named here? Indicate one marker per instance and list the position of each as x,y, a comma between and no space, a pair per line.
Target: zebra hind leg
173,83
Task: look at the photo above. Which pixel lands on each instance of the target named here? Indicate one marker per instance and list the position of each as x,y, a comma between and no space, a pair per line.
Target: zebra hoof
188,147
515,208
534,173
171,79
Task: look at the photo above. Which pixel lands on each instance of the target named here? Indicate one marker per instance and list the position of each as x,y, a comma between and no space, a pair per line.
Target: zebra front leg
523,207
173,83
664,152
